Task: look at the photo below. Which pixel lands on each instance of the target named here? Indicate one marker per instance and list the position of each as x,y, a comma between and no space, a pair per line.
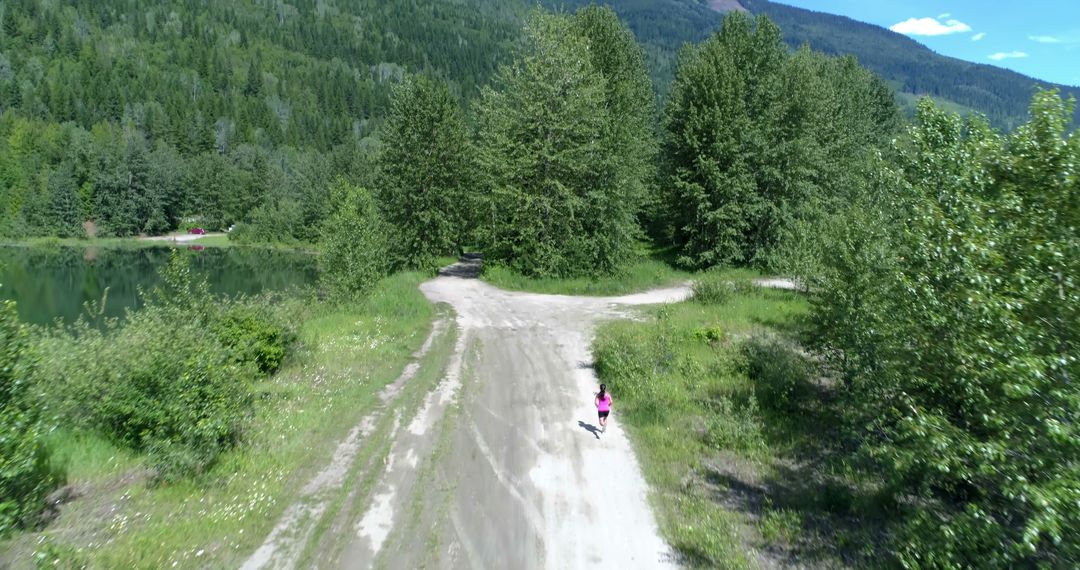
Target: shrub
26,475
255,336
735,427
172,391
174,380
710,290
711,335
780,374
355,242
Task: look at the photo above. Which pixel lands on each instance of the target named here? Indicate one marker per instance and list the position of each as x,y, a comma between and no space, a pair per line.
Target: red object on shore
198,231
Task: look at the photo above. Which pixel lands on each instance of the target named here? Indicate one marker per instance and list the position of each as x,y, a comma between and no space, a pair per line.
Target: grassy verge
117,519
728,418
638,276
136,243
213,241
46,242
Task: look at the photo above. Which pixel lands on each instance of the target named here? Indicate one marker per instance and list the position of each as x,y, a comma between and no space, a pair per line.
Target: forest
137,115
939,256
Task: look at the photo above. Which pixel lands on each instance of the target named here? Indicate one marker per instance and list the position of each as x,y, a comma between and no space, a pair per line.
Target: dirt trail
501,464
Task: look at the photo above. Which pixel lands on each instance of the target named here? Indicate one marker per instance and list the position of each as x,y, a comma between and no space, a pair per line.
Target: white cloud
929,27
945,15
1046,39
1007,55
978,36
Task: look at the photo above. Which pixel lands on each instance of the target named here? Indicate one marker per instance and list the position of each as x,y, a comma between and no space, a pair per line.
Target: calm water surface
56,283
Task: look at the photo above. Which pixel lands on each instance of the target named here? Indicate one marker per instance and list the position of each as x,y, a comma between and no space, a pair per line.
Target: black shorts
603,414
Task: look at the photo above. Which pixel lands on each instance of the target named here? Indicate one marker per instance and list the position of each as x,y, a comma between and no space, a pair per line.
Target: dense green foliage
427,172
950,304
137,115
127,117
174,380
564,189
661,26
254,337
26,474
628,100
355,242
757,140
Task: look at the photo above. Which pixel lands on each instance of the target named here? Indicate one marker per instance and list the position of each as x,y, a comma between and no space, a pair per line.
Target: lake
56,282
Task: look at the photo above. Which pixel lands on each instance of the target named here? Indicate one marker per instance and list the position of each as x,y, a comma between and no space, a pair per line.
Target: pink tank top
605,404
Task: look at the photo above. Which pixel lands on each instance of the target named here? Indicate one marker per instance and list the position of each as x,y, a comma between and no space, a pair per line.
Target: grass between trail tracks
119,519
355,495
726,413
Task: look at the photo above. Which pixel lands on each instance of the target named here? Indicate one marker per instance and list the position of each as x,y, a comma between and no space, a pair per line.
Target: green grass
712,420
444,260
121,520
89,457
45,242
136,243
213,241
638,276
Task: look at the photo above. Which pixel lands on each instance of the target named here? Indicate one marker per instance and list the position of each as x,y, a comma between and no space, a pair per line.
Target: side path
500,465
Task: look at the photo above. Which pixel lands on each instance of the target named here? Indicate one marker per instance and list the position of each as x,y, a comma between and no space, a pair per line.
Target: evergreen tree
253,84
65,218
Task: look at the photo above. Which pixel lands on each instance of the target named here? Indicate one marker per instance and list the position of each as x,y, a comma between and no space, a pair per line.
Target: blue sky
1040,38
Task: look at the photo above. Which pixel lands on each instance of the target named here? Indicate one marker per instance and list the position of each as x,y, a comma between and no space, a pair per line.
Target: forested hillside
134,114
122,117
912,69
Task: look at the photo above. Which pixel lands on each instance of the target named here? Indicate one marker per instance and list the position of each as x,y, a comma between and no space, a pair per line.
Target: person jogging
603,406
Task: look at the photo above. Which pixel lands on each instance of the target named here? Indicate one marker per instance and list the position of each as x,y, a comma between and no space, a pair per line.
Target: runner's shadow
590,428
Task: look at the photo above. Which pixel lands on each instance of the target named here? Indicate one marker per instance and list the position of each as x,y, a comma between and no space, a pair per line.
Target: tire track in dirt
285,544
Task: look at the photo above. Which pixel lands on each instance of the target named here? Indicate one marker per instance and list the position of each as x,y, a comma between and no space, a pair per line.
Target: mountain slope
1000,94
307,73
910,67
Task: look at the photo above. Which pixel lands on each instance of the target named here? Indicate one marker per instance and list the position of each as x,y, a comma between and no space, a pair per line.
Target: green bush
26,475
170,390
711,335
780,374
355,242
175,379
255,336
735,427
709,290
